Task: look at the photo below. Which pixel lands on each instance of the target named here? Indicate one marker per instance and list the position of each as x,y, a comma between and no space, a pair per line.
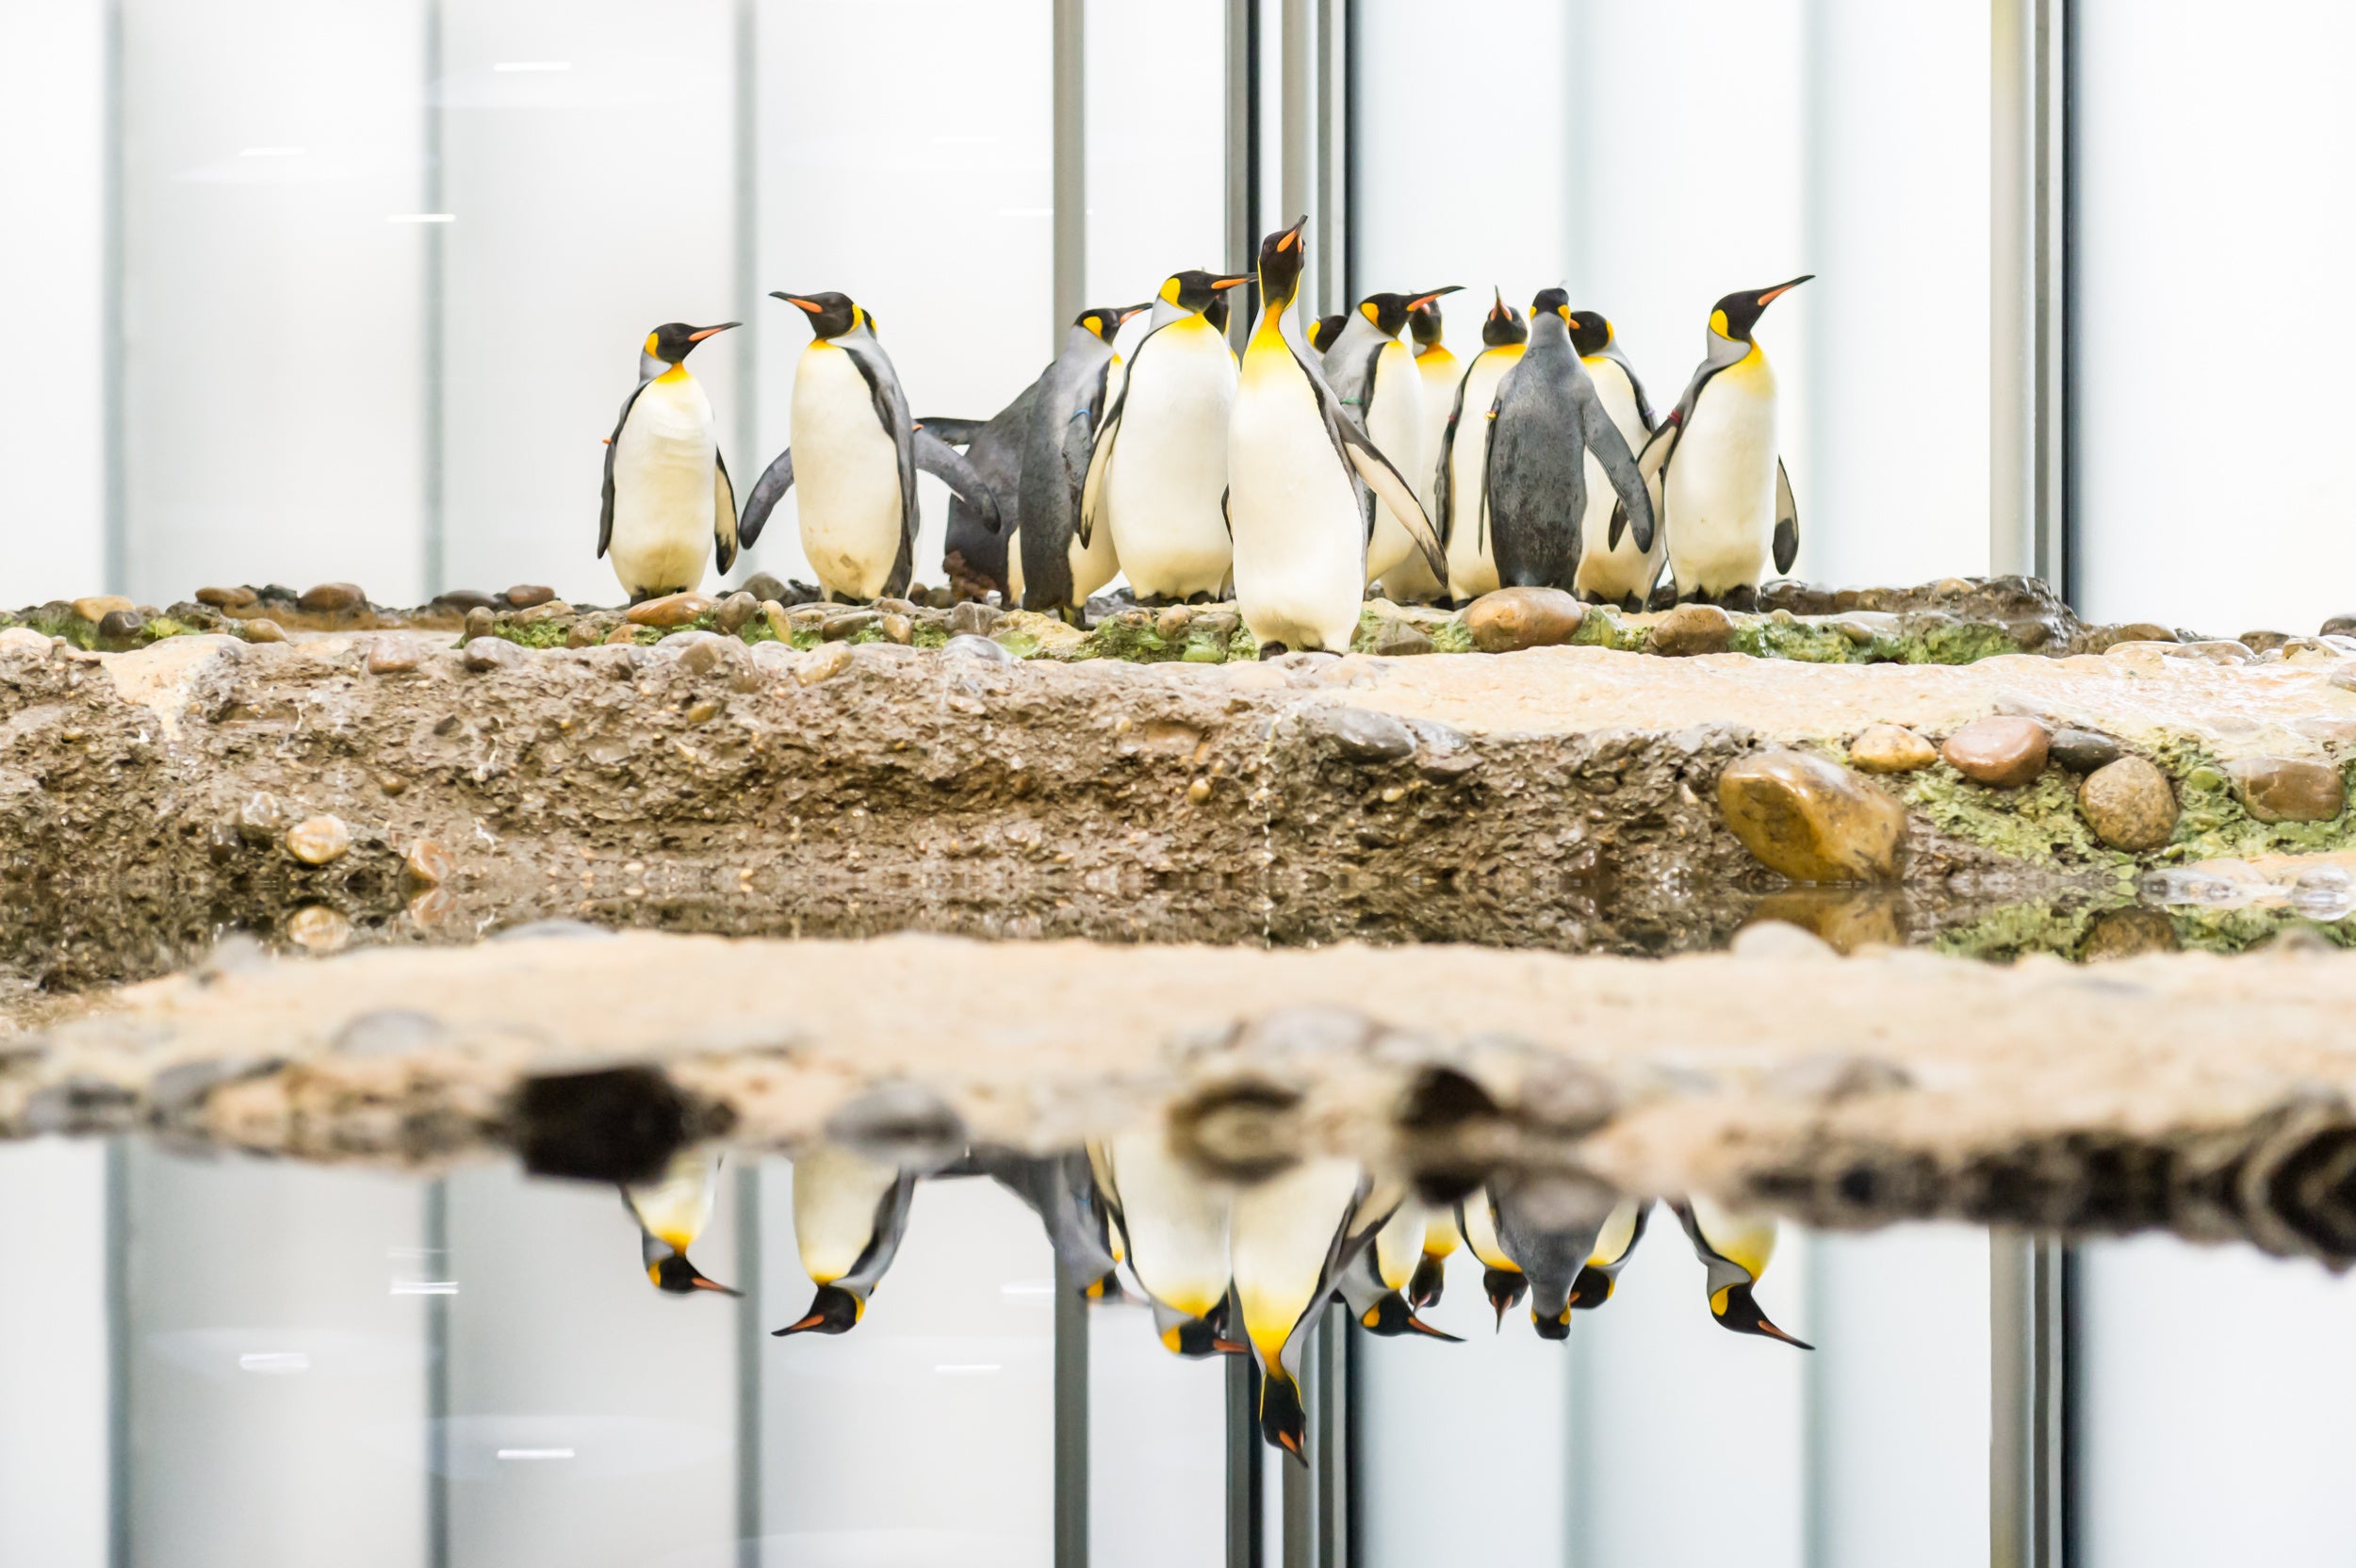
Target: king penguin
1611,570
1725,500
1501,1278
849,1213
1374,1282
1325,330
1285,1249
1546,423
856,452
973,554
1061,1189
667,498
1160,465
1375,376
1302,479
1550,1247
1621,1230
1472,568
1055,562
1734,1249
672,1211
1171,1224
1430,1279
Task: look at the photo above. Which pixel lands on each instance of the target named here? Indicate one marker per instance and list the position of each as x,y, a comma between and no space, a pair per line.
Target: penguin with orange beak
672,1211
668,507
849,1215
1734,1247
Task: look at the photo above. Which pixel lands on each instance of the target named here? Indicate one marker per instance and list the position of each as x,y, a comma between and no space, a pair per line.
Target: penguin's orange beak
805,304
1422,299
702,333
1291,236
1237,282
1769,296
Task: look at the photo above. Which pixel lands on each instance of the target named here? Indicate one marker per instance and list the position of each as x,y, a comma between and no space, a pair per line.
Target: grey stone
972,618
1362,735
2083,750
485,654
524,596
966,645
390,1031
1396,639
735,613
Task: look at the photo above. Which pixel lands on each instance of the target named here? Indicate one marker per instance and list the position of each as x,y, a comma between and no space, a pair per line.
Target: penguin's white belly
836,1197
1398,1245
848,473
678,1207
1607,572
1472,566
1177,1225
1168,467
1720,494
665,467
1396,428
1278,1238
1299,537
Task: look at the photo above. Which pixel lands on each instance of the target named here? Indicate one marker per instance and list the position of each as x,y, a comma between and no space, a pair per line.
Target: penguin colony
1230,1267
1325,462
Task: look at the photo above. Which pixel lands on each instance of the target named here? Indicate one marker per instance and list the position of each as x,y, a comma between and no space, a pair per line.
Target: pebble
316,928
824,663
261,819
1811,820
96,607
23,641
260,630
2084,751
809,617
2129,805
1397,639
1780,941
2142,631
765,588
525,595
625,635
967,646
781,622
2259,642
463,599
428,863
1360,734
2215,651
848,624
670,609
1890,748
485,654
1170,624
1199,791
2003,751
973,619
331,598
736,611
120,627
586,634
225,598
550,610
317,841
480,622
2338,625
2283,789
1510,619
430,908
394,654
392,783
1690,630
2126,933
898,628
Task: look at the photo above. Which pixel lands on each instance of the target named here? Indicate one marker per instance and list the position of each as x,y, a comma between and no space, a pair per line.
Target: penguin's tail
953,433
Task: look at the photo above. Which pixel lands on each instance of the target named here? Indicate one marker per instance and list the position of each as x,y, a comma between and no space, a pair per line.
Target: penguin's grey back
1057,442
1535,481
996,455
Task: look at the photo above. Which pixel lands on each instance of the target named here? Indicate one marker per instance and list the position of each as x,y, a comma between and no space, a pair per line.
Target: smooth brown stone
394,656
525,595
225,598
260,630
670,609
1510,619
317,841
1890,748
316,928
1691,629
2127,934
96,607
329,598
1811,820
2215,651
2283,789
2144,631
735,613
824,663
2129,805
429,864
899,629
2003,751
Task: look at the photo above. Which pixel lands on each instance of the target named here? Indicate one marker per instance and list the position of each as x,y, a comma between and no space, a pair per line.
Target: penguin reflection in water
1734,1249
849,1213
1725,502
855,453
1304,479
672,1211
1546,424
667,504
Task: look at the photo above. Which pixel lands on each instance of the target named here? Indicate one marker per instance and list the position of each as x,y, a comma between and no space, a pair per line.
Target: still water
216,1360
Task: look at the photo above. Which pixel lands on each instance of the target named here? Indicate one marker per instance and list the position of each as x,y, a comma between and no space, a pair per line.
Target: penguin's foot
1632,603
1272,650
1745,599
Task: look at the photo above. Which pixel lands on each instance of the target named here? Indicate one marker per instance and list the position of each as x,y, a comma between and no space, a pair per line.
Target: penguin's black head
1104,321
1592,1289
1392,1316
678,1276
1589,333
1430,1278
1282,1421
1425,321
1325,329
1552,1325
1505,1287
1282,255
832,1311
674,340
1198,1337
1737,313
1503,325
1738,1309
1217,312
1552,301
1389,312
831,315
1195,289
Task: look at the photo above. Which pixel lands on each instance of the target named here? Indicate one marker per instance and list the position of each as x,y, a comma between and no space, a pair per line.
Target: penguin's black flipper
937,457
955,433
1443,489
775,481
1786,521
1610,446
605,514
723,513
1226,518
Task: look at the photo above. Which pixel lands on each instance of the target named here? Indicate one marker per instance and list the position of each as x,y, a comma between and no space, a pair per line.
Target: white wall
2213,411
53,82
53,1458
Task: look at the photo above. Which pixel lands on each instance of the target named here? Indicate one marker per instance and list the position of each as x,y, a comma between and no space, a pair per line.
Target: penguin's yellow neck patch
675,374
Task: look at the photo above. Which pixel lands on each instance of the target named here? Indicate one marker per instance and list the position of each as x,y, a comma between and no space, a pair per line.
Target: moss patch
2016,930
2040,821
2212,823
